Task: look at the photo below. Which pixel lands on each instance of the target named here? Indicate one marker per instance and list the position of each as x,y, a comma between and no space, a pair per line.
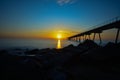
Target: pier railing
109,24
115,19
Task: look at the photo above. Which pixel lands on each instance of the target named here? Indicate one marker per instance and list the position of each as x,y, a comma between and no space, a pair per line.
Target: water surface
34,43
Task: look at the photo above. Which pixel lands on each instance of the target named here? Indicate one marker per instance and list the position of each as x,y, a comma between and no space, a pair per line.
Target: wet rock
35,51
88,44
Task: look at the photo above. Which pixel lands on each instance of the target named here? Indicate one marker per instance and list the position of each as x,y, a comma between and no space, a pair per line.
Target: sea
37,43
34,43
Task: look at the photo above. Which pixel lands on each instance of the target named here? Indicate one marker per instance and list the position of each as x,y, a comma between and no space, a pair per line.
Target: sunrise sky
47,18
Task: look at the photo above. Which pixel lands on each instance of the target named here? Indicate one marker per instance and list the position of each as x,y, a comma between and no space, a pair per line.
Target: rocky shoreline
87,61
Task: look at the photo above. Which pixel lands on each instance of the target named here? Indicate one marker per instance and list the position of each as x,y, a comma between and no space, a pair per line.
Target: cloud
63,2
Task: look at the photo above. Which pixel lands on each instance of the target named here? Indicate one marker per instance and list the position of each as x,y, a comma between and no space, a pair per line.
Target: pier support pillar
117,35
73,39
94,36
89,37
100,38
85,37
80,39
77,39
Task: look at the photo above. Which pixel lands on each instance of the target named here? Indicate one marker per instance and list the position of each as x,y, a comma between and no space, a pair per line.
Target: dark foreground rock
87,61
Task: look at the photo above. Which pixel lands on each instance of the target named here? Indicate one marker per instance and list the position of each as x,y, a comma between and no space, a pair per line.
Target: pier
113,23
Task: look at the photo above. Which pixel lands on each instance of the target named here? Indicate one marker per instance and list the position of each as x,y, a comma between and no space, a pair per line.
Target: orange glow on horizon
38,34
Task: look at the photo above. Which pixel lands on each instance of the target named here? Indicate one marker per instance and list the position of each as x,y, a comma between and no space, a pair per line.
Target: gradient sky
46,18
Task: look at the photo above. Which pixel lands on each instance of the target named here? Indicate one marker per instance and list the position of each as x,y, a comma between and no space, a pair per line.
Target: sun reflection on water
59,44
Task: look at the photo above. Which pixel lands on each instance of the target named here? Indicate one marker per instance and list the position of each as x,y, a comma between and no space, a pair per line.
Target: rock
88,44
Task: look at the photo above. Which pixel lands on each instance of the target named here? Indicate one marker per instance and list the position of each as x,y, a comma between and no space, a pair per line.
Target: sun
59,36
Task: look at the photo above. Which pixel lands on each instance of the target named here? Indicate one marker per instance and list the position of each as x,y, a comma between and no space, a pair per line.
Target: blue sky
30,17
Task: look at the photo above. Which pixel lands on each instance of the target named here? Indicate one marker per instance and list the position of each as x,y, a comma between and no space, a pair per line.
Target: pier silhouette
113,23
